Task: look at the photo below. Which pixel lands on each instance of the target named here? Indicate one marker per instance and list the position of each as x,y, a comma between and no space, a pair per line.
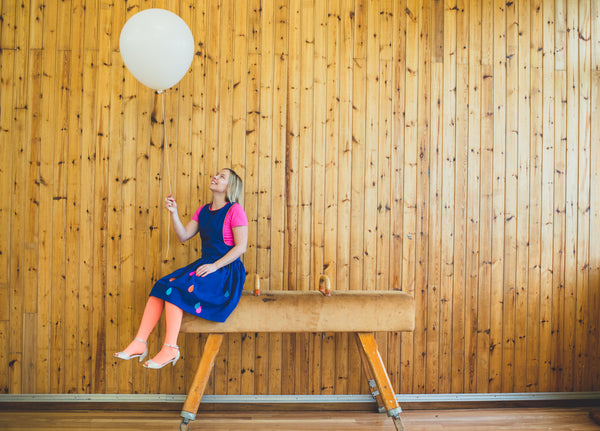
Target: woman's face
219,182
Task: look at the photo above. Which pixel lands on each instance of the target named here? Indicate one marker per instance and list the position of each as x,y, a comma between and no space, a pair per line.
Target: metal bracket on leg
373,388
184,425
186,421
187,416
376,395
395,415
395,412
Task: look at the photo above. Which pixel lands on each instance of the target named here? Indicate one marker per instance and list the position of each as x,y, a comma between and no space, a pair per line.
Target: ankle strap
170,345
139,339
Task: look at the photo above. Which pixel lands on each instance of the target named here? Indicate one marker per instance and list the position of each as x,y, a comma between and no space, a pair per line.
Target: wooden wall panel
448,148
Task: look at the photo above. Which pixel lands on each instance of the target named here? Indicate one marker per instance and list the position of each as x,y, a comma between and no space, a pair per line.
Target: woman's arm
183,232
240,241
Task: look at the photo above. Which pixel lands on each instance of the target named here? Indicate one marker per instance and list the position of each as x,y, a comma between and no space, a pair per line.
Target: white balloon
157,47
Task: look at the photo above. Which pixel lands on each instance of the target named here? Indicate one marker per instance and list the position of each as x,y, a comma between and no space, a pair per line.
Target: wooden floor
563,419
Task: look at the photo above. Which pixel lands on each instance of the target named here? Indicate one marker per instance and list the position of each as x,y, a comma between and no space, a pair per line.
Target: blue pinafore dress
214,296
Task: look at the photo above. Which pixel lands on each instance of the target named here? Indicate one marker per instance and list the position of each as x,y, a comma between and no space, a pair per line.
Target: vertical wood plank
594,279
59,195
547,196
212,103
73,196
438,30
462,32
422,195
498,196
113,217
410,176
459,286
225,84
45,179
558,260
484,317
434,229
63,30
198,79
101,140
371,132
293,143
534,257
473,163
510,189
305,151
278,181
35,24
572,198
18,185
447,196
319,139
86,212
6,98
9,19
385,174
31,234
560,60
523,196
581,363
28,378
4,357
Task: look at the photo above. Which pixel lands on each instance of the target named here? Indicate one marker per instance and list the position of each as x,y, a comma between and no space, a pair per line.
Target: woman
211,286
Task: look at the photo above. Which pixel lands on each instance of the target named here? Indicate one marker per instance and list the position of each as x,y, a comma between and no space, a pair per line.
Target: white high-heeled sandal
126,357
154,366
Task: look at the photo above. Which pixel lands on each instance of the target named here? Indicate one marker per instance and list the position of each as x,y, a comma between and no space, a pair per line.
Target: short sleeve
197,213
238,216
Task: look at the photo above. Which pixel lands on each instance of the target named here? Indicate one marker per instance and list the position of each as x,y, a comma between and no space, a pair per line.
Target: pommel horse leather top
310,311
359,312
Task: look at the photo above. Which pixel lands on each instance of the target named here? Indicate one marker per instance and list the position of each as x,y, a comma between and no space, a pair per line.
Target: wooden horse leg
369,374
366,342
192,401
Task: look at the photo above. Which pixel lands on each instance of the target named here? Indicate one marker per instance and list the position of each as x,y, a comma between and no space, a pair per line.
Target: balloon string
165,146
165,149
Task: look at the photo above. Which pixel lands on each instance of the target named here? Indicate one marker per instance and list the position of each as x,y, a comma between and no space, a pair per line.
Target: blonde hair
234,187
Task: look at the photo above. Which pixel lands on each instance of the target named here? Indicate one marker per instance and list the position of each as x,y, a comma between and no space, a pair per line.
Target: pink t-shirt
236,216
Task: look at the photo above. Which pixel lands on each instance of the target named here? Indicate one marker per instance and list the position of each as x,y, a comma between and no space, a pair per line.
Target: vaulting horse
361,312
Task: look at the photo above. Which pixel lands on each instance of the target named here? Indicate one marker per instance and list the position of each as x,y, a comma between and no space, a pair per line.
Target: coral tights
152,313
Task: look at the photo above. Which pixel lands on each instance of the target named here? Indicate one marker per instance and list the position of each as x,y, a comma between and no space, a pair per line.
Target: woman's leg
173,316
152,312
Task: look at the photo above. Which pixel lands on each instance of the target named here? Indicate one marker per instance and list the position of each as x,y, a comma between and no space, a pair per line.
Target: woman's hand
170,203
206,269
